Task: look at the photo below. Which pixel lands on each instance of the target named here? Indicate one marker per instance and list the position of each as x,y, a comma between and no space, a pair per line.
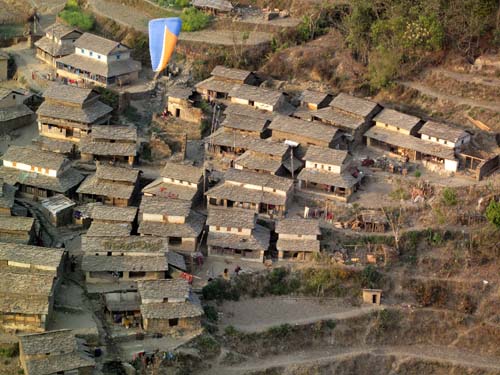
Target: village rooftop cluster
266,149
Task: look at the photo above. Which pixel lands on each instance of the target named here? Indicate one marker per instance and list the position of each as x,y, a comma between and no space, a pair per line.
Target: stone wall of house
163,325
16,123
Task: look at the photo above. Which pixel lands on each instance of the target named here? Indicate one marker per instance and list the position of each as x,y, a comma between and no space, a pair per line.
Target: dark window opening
174,240
173,322
135,274
374,298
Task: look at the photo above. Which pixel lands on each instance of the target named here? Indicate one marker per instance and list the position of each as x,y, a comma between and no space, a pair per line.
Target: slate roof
104,69
258,240
11,113
259,179
34,255
169,190
54,49
343,180
54,145
122,304
182,172
81,117
99,229
306,129
398,119
190,229
16,223
442,131
337,118
112,173
170,310
7,195
164,206
124,244
70,94
114,132
59,30
95,186
24,285
89,146
57,203
298,226
240,194
214,84
256,94
66,352
253,162
227,217
297,245
326,155
220,5
60,184
247,123
113,213
245,110
351,104
230,73
37,158
179,92
145,263
160,289
96,43
410,142
313,97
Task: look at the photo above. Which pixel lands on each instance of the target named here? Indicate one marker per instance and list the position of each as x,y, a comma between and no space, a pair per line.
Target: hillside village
235,223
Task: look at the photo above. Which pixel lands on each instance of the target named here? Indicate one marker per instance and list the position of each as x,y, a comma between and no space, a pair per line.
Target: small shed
372,296
58,209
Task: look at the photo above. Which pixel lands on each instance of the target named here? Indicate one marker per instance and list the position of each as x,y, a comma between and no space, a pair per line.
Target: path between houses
426,90
404,353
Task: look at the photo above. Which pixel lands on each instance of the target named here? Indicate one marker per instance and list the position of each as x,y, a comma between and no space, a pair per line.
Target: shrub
230,331
370,277
194,19
280,332
418,173
449,197
493,213
431,295
207,345
211,313
75,16
10,351
220,290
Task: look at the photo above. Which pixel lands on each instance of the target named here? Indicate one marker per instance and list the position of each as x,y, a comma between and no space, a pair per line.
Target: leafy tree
493,213
194,19
75,16
358,24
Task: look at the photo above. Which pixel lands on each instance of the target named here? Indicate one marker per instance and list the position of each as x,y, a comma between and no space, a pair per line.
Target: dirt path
426,90
403,353
260,314
468,78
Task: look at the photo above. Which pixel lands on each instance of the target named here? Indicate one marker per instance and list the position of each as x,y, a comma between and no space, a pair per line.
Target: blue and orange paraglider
163,34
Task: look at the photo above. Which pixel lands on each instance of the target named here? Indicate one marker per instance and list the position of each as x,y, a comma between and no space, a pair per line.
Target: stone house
181,104
267,195
113,186
55,352
213,6
58,209
298,239
234,233
172,219
445,134
68,113
314,100
397,133
372,296
169,306
305,133
214,89
98,61
352,115
327,175
246,125
37,173
30,277
232,75
57,42
4,66
258,98
110,143
14,114
7,195
177,181
17,229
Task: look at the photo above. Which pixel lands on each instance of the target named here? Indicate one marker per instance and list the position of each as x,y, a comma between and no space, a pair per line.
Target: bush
75,16
207,345
10,351
449,197
418,173
493,213
278,283
220,290
211,313
194,19
370,277
280,332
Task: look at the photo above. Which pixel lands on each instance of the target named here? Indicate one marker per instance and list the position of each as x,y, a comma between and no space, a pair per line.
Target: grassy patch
194,19
220,290
75,16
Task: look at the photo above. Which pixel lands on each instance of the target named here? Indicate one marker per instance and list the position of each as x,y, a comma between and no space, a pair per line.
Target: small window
315,165
98,57
217,227
91,53
118,57
228,229
398,128
109,253
330,169
445,142
13,96
274,190
173,322
239,230
136,274
83,51
14,164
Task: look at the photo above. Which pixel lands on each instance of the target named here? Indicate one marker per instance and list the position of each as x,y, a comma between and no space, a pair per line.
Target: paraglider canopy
163,34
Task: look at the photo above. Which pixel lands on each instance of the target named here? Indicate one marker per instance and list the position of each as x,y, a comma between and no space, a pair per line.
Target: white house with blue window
98,61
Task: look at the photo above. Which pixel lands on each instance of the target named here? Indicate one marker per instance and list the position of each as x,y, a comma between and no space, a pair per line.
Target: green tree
493,213
358,26
194,19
